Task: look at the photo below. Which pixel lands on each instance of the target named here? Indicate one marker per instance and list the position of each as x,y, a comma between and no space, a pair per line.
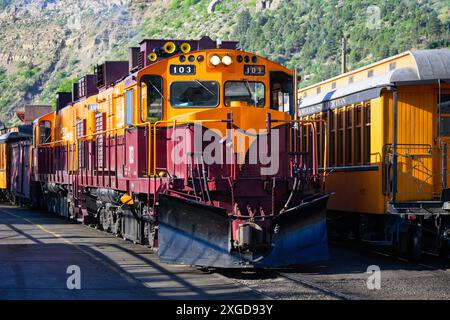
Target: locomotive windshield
188,94
253,93
45,129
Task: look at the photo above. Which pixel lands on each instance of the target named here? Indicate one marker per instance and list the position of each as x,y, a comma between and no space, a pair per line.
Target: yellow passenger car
389,127
3,166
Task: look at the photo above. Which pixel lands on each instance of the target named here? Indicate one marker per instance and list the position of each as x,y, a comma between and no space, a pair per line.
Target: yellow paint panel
356,191
416,133
3,179
3,166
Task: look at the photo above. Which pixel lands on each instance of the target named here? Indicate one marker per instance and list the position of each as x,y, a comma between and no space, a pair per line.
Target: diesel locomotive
191,147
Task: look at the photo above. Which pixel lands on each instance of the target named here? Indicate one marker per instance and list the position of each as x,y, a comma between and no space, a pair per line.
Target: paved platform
36,249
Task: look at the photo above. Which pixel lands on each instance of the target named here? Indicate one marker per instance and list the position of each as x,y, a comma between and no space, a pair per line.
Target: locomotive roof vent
75,92
134,59
85,87
109,72
63,99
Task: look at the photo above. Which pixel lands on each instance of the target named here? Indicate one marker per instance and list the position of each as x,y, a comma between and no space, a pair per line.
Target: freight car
389,131
189,146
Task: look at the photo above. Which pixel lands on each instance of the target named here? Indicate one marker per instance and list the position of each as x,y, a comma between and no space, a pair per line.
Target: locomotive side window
129,107
253,93
281,92
45,130
191,94
151,97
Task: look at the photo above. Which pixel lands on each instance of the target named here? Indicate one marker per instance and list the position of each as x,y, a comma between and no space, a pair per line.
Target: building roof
31,112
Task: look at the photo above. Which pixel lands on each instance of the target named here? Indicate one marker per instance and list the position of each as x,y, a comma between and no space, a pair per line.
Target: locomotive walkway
36,250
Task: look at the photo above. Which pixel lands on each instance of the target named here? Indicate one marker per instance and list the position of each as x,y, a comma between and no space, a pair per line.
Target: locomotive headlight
226,60
215,60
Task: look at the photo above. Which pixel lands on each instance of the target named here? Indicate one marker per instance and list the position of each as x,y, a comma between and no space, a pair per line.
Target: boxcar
389,128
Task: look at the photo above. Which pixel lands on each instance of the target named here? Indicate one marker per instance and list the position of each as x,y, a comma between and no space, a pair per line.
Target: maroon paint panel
136,157
20,169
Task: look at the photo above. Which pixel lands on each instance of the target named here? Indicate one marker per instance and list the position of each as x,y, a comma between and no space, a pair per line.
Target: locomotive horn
152,57
185,47
169,47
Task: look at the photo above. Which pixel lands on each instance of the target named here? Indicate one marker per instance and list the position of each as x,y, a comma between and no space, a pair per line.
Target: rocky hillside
45,44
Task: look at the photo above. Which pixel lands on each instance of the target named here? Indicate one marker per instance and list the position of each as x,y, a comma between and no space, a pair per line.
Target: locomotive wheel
48,205
444,249
415,249
105,221
71,211
401,246
115,224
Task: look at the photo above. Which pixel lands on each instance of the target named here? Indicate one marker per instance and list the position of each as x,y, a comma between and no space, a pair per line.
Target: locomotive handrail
149,124
312,122
81,137
175,122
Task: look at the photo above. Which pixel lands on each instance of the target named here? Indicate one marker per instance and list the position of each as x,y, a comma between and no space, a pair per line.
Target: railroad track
326,291
280,285
238,276
344,277
298,284
334,284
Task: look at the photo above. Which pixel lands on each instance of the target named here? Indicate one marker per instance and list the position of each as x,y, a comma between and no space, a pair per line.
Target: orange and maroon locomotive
191,147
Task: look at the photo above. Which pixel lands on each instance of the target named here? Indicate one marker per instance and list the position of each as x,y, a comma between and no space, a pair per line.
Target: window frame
332,117
129,108
40,131
141,107
261,82
367,136
195,107
355,148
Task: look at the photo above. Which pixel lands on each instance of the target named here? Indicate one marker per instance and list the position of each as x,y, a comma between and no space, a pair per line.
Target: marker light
226,60
215,60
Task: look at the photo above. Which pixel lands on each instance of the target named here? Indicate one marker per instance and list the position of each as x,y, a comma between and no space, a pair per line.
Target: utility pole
343,55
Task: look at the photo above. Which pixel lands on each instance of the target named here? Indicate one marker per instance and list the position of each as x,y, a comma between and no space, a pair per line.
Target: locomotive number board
252,70
179,70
